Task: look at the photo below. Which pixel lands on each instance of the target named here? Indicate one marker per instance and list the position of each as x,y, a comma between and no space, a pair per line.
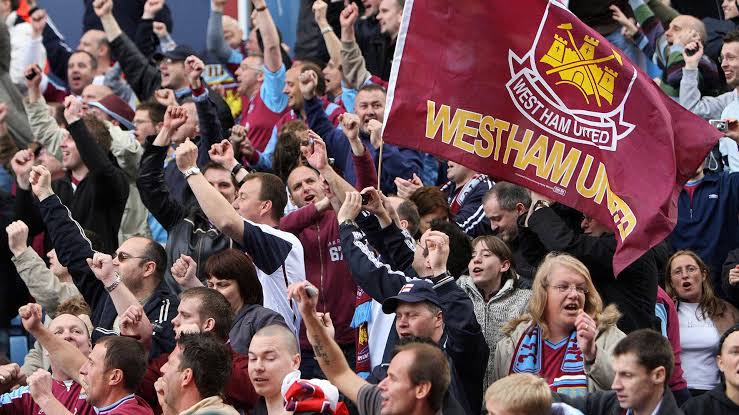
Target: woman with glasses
702,317
566,336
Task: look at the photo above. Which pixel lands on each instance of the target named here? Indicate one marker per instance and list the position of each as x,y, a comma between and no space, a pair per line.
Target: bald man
273,354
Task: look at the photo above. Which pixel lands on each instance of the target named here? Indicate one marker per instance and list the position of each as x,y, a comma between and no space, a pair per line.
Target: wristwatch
115,283
190,172
237,168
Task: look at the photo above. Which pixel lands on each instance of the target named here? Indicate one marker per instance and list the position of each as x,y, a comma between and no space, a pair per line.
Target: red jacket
324,262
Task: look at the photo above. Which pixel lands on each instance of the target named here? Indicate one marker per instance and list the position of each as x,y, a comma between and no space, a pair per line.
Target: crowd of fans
224,231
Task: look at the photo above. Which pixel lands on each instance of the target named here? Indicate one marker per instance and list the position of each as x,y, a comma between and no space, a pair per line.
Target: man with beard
64,388
370,108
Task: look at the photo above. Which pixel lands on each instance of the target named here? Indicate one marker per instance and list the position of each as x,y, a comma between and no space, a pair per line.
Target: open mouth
309,198
686,284
572,307
476,270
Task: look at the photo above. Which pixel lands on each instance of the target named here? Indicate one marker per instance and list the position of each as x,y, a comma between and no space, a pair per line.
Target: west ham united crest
571,84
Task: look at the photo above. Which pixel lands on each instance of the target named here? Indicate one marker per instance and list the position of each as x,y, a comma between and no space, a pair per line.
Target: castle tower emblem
577,66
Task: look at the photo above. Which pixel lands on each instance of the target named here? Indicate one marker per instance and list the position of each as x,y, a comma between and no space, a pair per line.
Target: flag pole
379,164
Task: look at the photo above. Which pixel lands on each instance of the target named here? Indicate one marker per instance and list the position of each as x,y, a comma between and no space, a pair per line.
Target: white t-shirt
698,339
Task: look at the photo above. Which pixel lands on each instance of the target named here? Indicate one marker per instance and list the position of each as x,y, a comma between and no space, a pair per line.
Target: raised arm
215,42
270,37
353,65
214,205
690,96
320,333
333,44
70,359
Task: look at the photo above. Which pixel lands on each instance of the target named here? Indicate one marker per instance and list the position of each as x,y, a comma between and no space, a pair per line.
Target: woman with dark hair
491,285
702,316
232,273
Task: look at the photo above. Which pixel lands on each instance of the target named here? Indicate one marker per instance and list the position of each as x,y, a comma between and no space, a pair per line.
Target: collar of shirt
656,409
106,409
182,92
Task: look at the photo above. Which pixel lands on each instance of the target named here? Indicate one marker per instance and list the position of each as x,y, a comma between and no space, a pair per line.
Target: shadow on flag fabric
541,100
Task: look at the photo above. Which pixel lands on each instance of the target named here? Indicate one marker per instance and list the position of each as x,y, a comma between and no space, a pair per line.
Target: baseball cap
179,53
415,291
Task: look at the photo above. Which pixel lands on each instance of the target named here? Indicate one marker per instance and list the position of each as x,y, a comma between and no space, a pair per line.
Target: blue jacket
72,249
462,341
396,161
708,223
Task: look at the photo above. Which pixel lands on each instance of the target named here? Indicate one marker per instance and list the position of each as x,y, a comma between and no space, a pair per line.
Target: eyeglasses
690,269
122,256
566,289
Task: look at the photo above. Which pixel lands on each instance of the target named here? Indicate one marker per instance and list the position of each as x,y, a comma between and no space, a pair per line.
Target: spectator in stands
74,331
356,71
567,337
138,264
491,285
273,354
111,372
504,204
520,393
634,290
431,204
720,107
188,230
90,175
146,79
666,47
465,191
316,226
702,316
370,108
232,273
419,373
201,309
14,116
724,398
130,15
642,362
195,375
25,38
718,27
251,223
456,329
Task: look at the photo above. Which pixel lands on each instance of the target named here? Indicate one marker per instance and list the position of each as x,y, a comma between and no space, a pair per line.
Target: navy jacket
396,161
463,341
708,223
72,249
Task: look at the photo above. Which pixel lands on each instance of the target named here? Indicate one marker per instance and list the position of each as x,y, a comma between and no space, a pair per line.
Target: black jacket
189,231
463,341
606,403
377,49
72,249
145,78
731,291
13,290
99,199
714,401
247,322
634,291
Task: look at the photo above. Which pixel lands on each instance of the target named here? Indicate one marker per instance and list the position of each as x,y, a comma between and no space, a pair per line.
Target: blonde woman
566,337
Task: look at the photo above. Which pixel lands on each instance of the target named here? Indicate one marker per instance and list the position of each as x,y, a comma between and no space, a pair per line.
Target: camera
721,125
365,199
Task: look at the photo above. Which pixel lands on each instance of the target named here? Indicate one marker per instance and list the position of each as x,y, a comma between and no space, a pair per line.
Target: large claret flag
525,92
